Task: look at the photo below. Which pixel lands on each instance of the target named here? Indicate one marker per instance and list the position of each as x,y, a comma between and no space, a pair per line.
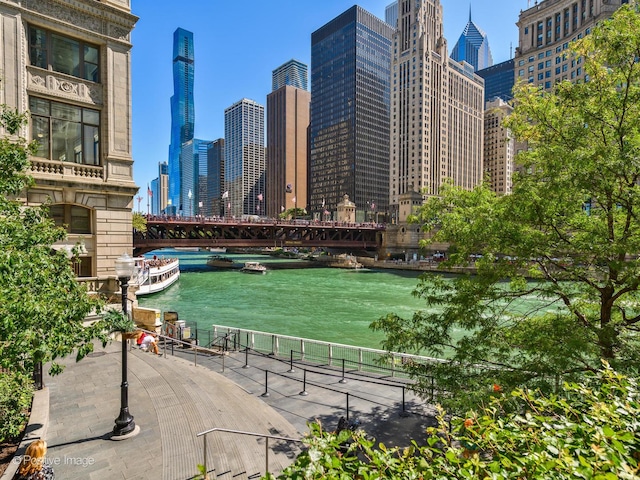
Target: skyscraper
160,189
215,177
473,47
437,112
349,130
193,168
391,14
498,80
244,157
499,147
182,110
545,31
292,73
287,133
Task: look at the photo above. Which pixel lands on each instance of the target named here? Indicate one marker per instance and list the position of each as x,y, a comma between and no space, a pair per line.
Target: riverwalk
175,397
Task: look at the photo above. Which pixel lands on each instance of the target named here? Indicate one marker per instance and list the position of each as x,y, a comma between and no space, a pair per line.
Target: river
329,304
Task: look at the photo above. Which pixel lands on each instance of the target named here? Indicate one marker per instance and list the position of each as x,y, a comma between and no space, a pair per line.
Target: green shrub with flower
592,431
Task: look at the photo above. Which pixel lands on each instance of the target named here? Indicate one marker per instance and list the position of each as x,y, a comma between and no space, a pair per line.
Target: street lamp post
190,204
125,426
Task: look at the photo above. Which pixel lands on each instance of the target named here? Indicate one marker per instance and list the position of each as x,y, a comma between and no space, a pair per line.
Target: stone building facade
68,63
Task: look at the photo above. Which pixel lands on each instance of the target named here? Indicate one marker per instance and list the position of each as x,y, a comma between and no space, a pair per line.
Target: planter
129,335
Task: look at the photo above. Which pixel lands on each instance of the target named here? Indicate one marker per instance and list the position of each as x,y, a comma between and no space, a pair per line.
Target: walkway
172,400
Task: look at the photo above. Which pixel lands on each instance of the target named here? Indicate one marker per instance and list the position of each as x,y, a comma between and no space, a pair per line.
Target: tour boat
220,261
253,267
155,274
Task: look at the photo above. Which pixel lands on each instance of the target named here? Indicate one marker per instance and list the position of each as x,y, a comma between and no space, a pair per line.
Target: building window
59,53
73,218
64,132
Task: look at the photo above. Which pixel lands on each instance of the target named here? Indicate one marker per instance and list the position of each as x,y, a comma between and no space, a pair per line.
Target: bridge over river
183,232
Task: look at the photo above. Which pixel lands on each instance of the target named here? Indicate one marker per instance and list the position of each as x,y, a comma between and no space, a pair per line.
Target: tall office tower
287,152
349,130
163,187
391,14
182,112
193,168
437,111
244,157
499,147
152,197
292,73
68,66
473,47
498,80
215,177
545,31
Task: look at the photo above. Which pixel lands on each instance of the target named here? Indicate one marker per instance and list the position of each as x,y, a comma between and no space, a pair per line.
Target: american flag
149,192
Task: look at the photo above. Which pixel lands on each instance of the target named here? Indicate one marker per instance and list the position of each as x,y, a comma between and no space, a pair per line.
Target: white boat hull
154,279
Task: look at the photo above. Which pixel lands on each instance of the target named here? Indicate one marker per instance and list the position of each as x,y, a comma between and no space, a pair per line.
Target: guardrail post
359,359
342,380
223,355
266,384
347,406
330,354
246,357
304,384
302,349
195,355
266,456
404,413
291,370
204,453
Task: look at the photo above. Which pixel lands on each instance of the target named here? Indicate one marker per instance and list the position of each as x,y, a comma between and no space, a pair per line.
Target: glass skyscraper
244,158
391,14
473,47
182,112
293,73
498,80
349,130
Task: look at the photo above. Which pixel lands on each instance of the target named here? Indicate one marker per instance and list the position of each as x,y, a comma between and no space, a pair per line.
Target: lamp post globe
125,427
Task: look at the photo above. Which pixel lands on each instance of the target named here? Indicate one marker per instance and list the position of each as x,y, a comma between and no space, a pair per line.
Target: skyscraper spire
469,12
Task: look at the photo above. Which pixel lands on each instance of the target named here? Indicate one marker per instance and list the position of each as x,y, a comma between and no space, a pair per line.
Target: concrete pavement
173,398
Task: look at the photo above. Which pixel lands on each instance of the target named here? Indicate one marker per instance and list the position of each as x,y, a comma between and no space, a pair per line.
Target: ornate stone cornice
63,86
96,18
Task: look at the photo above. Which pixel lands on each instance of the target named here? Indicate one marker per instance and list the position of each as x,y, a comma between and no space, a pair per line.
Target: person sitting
149,343
141,336
33,465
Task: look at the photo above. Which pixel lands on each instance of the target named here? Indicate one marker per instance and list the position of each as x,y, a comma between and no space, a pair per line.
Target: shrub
16,393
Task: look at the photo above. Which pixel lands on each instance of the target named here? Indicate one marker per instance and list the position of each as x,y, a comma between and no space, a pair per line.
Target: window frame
42,55
43,126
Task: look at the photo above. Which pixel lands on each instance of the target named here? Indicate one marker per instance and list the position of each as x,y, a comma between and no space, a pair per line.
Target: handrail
266,436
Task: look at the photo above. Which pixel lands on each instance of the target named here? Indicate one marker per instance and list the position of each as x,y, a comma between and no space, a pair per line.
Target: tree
593,435
139,222
556,290
42,305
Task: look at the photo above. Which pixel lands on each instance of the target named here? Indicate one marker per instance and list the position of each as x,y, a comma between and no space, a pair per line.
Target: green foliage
290,213
42,305
139,222
556,290
592,432
15,401
116,321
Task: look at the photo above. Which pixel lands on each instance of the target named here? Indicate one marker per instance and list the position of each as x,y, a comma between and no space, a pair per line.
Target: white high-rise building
244,156
437,111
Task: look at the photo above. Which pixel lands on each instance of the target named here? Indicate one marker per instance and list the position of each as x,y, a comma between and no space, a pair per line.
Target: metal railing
315,351
240,432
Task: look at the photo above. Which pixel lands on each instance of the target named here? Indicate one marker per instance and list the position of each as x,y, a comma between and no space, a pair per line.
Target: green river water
329,304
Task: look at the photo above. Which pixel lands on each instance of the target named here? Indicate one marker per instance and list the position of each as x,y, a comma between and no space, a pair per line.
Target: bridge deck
200,232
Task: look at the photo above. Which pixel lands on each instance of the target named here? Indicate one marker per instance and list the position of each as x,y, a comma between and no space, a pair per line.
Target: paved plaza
174,397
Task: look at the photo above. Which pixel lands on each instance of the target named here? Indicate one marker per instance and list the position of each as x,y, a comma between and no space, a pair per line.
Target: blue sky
238,44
